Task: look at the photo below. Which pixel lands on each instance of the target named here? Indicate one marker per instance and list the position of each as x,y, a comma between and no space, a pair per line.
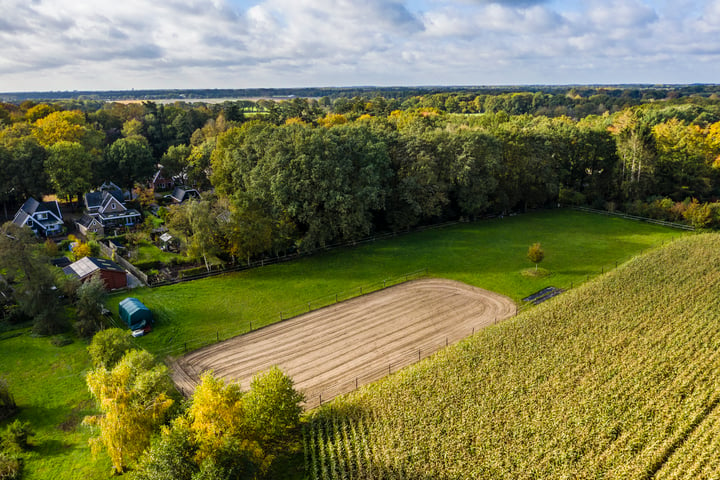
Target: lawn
48,384
147,252
489,254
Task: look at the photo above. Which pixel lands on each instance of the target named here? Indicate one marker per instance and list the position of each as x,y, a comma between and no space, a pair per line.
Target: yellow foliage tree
332,119
81,250
66,126
133,398
216,414
536,254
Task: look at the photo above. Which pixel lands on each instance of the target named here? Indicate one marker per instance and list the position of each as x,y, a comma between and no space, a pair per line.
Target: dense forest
303,173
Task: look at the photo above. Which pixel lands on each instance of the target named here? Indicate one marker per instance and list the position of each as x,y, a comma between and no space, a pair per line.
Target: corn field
616,379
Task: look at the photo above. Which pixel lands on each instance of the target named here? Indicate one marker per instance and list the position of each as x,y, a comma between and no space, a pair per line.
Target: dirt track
332,350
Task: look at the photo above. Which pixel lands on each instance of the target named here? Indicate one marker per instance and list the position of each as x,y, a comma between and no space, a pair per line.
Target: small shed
112,274
134,313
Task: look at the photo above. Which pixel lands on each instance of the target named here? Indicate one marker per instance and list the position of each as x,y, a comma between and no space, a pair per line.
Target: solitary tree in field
536,254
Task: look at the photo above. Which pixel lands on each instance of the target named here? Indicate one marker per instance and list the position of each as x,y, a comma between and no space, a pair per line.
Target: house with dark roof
44,218
112,274
89,224
182,194
105,208
160,181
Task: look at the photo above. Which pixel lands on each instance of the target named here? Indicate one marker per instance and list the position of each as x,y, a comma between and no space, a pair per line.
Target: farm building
111,273
134,313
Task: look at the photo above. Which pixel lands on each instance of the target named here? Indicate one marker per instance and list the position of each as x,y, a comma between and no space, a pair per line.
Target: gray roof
32,207
89,265
180,194
99,197
86,220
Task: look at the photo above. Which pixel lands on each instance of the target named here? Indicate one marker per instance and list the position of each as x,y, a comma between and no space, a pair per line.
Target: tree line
221,432
303,173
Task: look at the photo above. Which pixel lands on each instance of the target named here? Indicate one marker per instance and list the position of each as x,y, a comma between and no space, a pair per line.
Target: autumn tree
108,347
227,433
133,397
536,254
145,196
81,250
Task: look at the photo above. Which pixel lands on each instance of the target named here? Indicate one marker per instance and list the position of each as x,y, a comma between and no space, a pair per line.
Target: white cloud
84,44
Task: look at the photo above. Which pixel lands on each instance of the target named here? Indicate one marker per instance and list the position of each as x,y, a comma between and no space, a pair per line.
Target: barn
134,313
110,272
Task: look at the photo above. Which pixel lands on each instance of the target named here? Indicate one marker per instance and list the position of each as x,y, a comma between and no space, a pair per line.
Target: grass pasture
615,379
489,254
48,384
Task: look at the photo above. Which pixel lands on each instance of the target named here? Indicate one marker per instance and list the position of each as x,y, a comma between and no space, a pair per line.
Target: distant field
615,379
489,254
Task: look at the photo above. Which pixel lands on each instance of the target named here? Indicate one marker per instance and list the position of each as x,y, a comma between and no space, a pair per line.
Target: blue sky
101,44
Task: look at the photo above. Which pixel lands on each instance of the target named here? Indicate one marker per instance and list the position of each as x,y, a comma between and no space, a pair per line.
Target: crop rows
616,379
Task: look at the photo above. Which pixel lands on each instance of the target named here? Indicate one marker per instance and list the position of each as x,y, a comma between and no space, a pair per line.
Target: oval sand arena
334,350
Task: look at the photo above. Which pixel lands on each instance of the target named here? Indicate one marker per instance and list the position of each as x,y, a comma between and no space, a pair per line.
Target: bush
14,315
149,265
568,196
10,466
15,437
51,248
8,407
61,340
189,272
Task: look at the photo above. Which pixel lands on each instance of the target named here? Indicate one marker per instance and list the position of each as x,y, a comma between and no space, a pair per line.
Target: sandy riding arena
336,349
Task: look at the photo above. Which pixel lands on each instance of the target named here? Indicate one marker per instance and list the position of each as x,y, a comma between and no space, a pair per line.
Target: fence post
360,290
308,306
446,341
320,397
356,383
388,369
186,346
418,354
251,323
217,335
336,298
383,283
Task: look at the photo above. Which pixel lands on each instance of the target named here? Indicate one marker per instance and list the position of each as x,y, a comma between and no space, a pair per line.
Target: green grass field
147,252
48,384
48,381
615,379
489,254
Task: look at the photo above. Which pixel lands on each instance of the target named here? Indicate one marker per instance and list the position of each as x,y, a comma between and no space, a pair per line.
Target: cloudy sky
124,44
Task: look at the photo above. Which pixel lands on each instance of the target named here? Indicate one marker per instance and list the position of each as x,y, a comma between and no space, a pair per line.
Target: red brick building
110,272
